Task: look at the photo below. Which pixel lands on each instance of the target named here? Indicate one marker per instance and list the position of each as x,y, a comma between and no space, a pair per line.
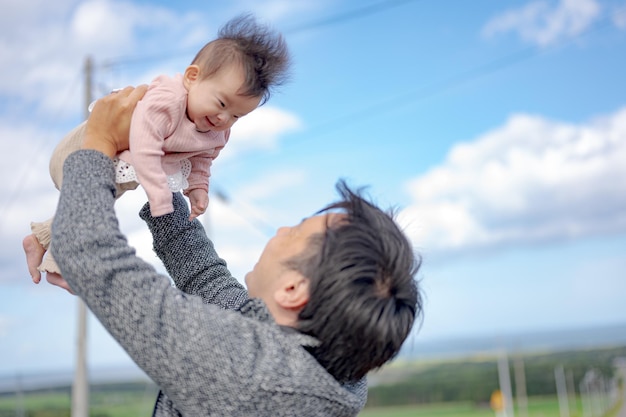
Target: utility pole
80,387
504,377
561,390
520,386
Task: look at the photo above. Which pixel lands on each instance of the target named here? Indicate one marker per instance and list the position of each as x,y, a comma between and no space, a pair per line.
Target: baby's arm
153,120
197,192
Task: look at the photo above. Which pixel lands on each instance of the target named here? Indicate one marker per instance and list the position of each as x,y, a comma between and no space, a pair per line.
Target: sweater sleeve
190,258
192,350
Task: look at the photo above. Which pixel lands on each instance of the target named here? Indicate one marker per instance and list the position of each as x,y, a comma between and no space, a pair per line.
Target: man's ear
293,291
191,75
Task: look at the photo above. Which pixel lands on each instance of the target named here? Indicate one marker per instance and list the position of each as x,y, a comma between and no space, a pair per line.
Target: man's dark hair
363,297
261,52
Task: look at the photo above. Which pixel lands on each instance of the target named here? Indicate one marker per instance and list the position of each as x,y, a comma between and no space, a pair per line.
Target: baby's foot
34,254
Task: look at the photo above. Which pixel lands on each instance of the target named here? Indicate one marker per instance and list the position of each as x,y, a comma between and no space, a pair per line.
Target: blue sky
497,131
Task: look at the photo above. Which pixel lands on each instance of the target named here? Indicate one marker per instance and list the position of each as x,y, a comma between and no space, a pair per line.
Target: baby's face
214,104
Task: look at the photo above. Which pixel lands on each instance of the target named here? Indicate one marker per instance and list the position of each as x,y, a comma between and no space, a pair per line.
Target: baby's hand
199,200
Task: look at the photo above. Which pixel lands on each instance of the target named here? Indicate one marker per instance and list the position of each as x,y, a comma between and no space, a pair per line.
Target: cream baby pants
70,143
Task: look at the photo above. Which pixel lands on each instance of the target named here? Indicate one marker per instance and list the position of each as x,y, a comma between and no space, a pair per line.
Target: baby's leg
43,234
49,264
36,245
34,254
70,143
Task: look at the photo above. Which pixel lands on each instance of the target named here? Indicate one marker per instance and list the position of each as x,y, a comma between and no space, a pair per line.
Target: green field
138,402
435,410
537,407
135,403
449,388
115,400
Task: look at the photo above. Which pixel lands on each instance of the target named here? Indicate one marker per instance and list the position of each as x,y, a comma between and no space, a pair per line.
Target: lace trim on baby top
124,172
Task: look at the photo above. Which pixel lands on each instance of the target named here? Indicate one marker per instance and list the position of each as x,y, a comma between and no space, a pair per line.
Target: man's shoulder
282,370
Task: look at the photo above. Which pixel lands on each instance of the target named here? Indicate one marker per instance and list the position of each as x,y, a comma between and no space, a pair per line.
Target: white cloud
16,14
272,184
251,209
43,50
241,225
119,26
234,230
531,180
544,24
238,227
619,18
101,23
27,192
260,129
5,324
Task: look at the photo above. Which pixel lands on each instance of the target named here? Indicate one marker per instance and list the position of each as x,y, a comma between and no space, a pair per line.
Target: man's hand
108,125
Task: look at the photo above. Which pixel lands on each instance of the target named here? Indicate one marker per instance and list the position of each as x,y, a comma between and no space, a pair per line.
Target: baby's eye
235,117
222,104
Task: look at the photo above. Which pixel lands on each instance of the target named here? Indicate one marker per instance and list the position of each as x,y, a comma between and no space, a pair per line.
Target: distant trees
475,379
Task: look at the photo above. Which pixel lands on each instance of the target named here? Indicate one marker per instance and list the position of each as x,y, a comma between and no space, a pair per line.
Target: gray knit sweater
210,349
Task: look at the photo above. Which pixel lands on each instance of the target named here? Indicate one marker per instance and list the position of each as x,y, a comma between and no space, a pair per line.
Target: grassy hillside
444,388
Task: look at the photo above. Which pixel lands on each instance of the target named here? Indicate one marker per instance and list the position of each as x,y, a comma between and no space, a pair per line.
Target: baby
182,123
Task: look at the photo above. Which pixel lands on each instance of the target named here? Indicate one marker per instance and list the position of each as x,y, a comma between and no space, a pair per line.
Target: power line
327,21
336,19
397,101
250,217
437,87
27,170
426,91
350,15
423,92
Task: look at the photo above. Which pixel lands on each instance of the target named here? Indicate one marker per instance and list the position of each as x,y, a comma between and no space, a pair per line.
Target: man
329,299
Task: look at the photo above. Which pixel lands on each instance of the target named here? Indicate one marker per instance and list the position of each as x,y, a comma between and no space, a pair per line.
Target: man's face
288,242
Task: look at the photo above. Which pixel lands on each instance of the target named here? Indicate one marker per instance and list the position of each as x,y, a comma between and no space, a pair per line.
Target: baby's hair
261,52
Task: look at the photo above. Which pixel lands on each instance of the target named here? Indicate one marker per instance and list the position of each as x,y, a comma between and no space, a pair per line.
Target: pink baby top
162,138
